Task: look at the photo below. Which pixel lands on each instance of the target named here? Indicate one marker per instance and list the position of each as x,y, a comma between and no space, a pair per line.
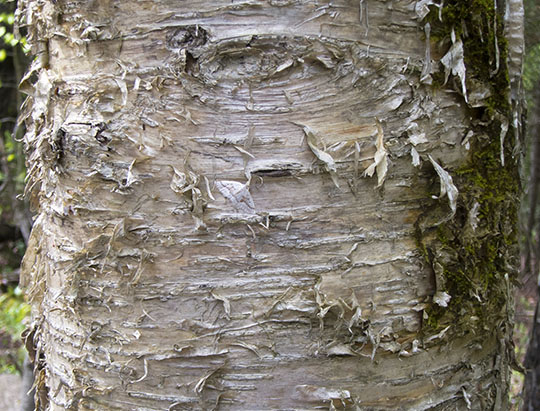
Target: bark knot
187,37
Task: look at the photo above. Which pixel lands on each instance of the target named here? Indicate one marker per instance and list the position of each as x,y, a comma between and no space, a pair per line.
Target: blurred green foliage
13,311
13,62
531,67
7,19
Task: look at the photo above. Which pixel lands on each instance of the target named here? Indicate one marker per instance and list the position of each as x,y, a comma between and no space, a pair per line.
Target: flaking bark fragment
313,140
454,63
380,160
238,194
447,185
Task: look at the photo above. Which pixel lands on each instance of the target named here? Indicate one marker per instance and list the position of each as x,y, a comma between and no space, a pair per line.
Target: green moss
477,260
472,264
481,29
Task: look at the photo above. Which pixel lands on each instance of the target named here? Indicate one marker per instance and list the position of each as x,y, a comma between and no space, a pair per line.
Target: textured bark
231,198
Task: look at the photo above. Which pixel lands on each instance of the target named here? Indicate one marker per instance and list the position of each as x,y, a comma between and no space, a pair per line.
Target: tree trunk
271,204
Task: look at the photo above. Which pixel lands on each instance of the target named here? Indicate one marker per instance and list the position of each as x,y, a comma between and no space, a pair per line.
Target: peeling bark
210,231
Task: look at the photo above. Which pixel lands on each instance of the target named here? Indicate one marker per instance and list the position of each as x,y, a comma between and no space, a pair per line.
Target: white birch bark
227,199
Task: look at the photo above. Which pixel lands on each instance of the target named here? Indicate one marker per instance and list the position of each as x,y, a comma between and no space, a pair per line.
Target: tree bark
270,205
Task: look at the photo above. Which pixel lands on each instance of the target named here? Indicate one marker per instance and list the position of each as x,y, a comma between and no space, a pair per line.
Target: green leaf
3,54
10,39
7,35
10,158
24,45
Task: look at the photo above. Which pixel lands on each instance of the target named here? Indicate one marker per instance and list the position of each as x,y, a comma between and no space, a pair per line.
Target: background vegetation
15,219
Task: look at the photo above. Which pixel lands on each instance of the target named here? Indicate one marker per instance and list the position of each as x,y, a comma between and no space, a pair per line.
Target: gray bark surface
229,196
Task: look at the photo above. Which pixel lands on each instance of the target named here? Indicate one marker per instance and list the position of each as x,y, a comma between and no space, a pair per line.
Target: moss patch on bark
474,254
